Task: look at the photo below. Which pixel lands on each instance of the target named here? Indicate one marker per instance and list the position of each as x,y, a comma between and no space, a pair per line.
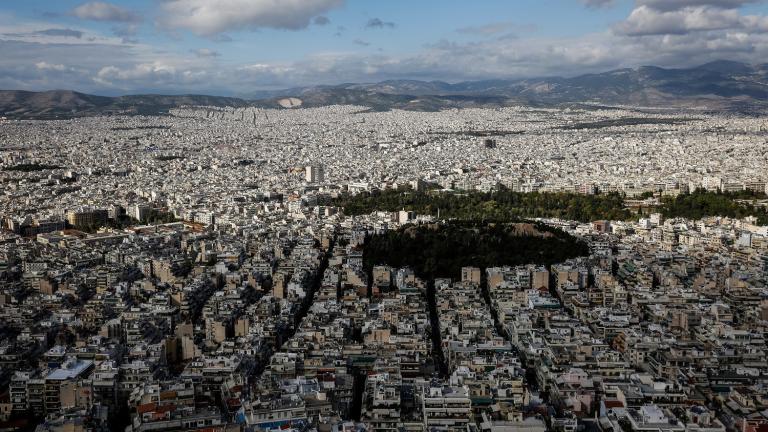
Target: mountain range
716,86
60,104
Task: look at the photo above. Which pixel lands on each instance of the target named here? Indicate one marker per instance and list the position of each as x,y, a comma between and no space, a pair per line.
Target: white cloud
690,33
102,11
137,69
212,17
645,20
670,5
43,66
680,17
156,73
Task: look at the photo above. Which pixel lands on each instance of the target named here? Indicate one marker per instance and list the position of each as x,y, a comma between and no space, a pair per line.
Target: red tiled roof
166,408
145,408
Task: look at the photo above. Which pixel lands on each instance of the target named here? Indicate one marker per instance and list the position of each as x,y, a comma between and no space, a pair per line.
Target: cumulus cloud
211,17
645,20
43,66
153,71
377,23
21,66
679,17
134,69
131,70
102,11
665,33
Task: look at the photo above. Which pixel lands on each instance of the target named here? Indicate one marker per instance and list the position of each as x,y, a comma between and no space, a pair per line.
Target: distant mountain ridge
67,104
719,85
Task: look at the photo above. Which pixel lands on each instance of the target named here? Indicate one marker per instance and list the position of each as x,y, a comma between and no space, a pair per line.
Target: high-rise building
446,408
470,274
712,184
87,218
204,217
139,211
315,174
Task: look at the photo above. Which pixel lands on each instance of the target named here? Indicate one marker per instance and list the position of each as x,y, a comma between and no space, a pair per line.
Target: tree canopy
441,250
502,205
700,204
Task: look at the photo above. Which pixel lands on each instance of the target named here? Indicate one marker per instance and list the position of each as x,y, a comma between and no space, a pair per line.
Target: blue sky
235,47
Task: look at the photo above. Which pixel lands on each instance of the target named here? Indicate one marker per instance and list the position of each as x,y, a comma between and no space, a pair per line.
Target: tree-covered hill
441,250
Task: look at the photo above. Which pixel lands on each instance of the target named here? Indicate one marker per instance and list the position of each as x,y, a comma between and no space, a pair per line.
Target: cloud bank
670,33
212,17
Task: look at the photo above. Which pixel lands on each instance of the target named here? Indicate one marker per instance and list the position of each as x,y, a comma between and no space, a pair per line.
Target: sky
238,47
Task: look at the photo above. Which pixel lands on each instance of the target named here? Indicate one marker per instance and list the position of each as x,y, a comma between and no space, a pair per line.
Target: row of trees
155,217
500,205
31,167
700,203
504,205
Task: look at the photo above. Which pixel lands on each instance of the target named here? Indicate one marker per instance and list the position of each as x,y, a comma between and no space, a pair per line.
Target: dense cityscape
384,216
198,271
